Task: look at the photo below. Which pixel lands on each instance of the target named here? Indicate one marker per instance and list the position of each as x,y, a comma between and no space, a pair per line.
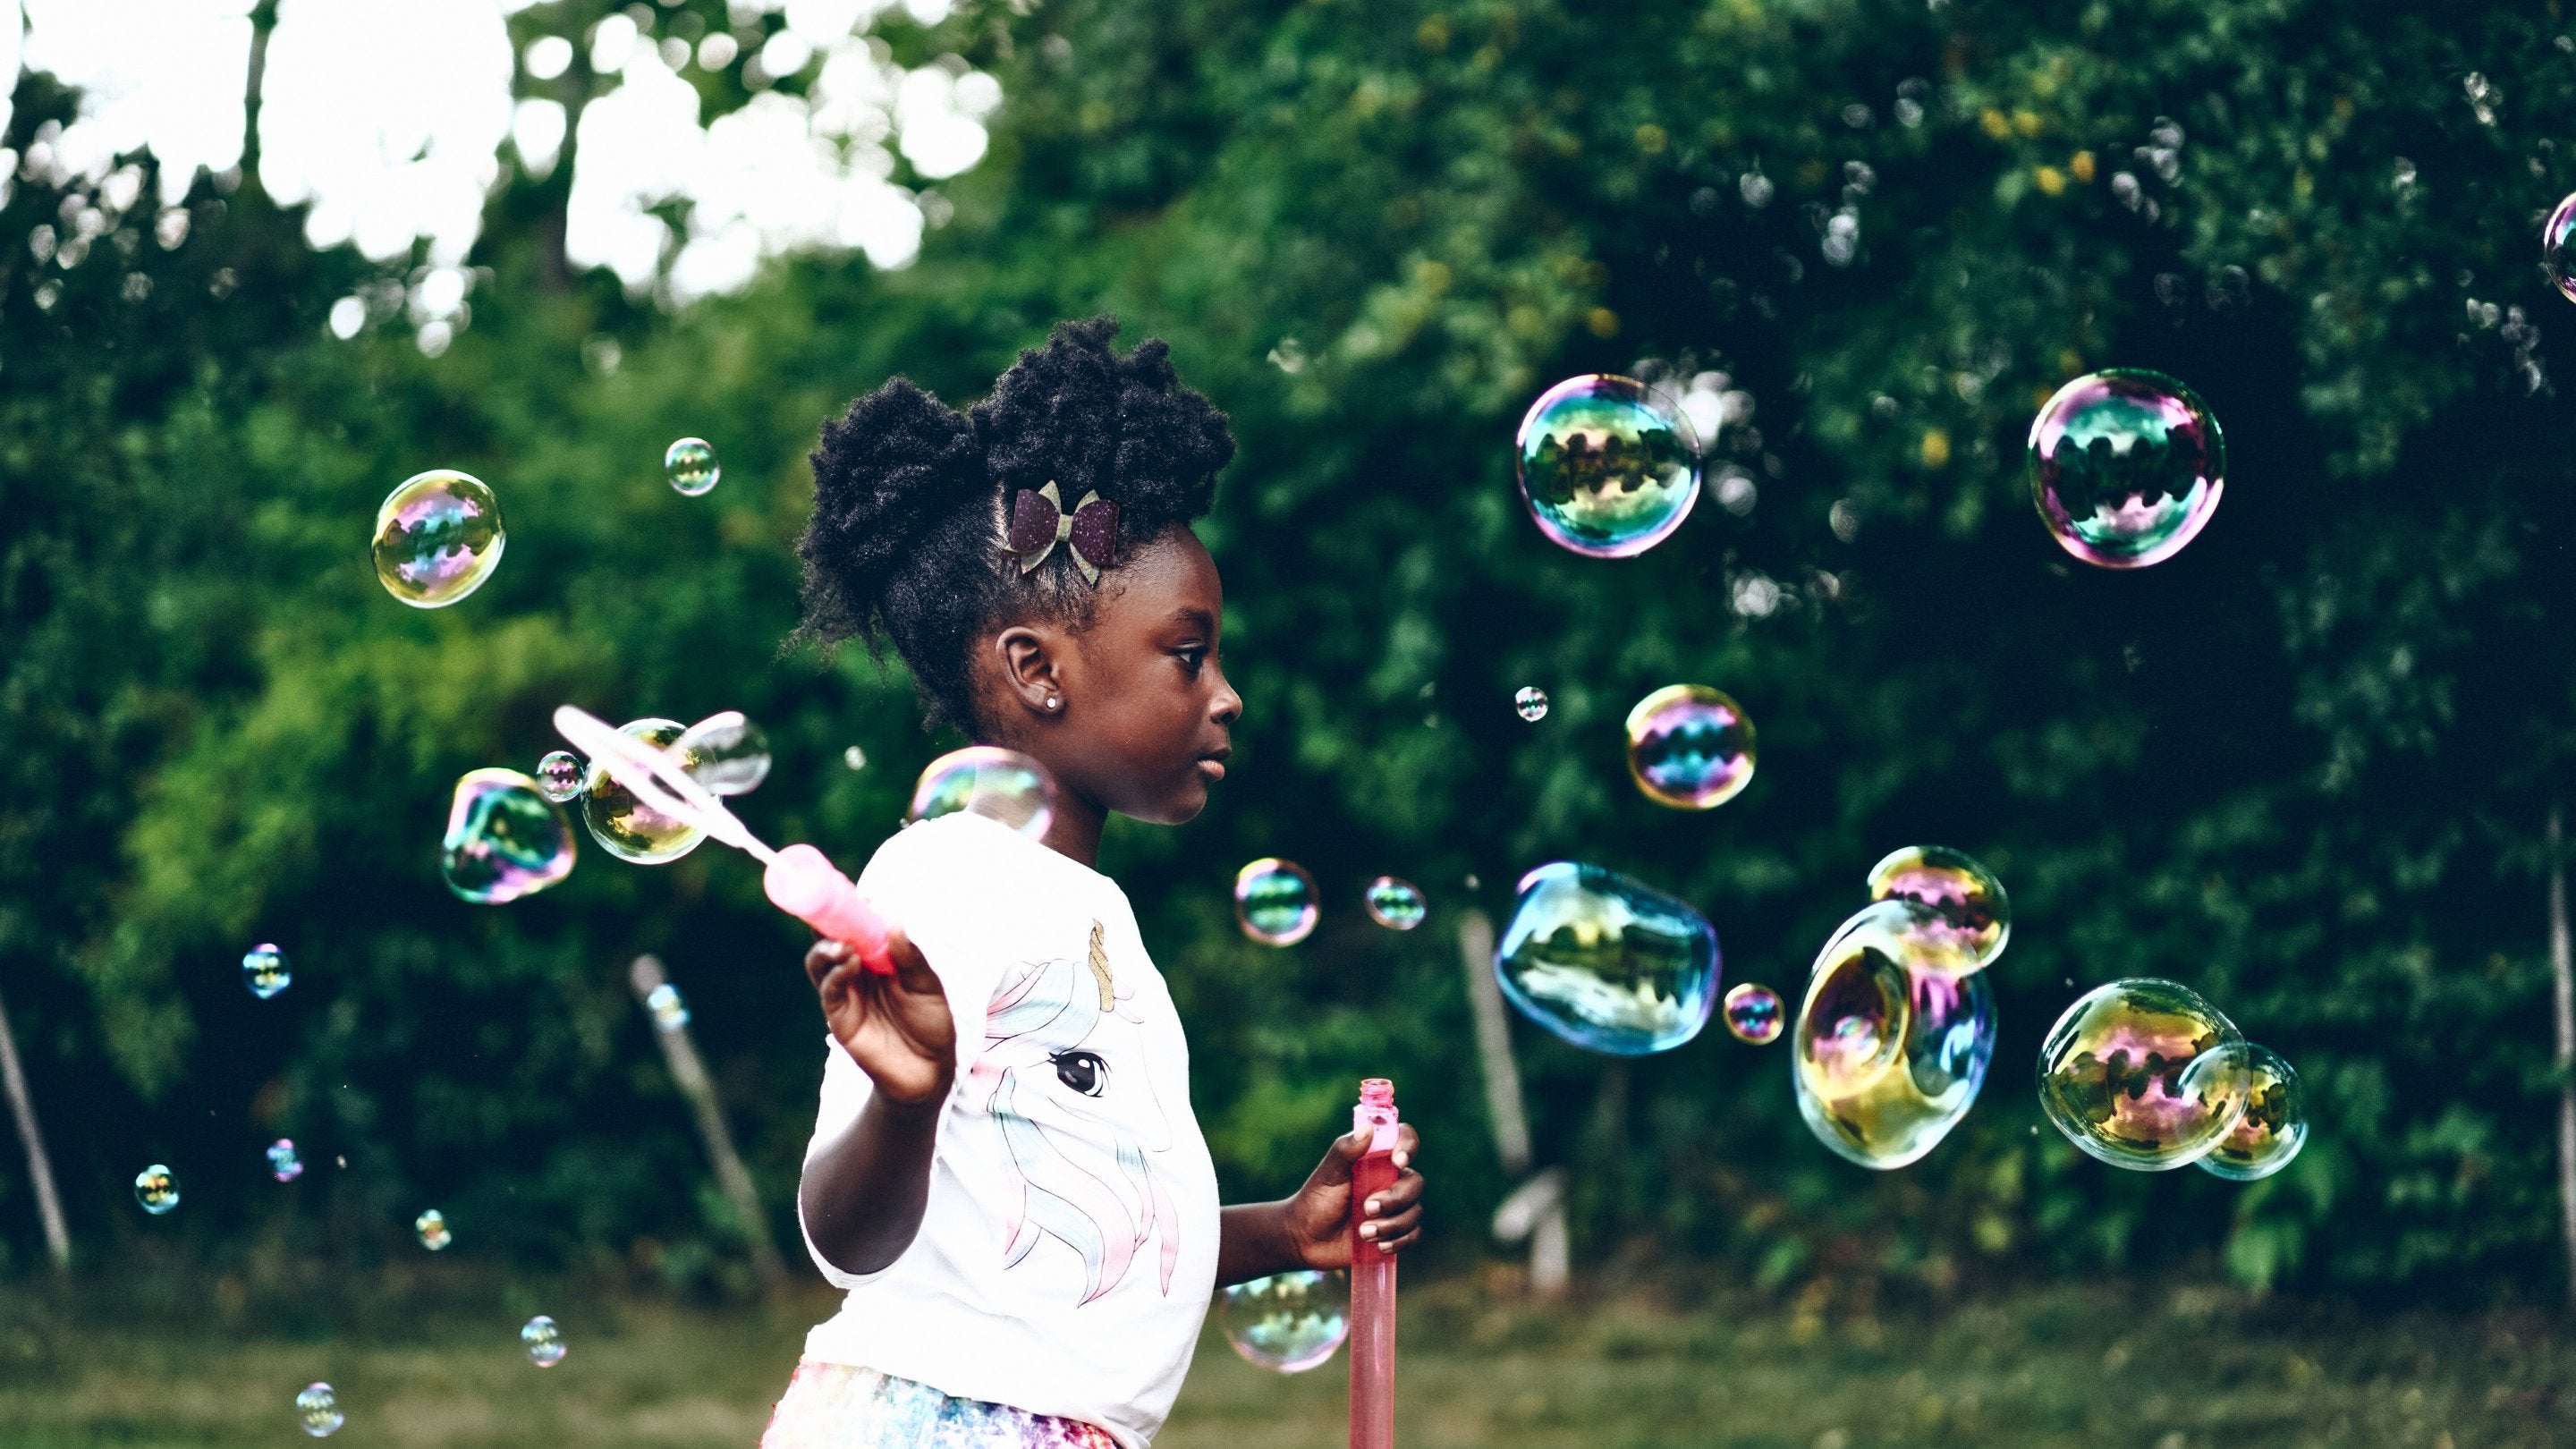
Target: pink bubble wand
800,880
1372,1275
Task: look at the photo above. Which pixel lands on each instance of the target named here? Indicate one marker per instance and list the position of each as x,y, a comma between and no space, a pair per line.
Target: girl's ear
1029,659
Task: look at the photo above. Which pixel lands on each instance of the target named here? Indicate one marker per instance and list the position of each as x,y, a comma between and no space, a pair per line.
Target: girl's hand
1318,1218
897,1028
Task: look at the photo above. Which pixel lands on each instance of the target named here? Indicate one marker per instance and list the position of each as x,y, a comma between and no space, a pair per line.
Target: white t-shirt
1069,1246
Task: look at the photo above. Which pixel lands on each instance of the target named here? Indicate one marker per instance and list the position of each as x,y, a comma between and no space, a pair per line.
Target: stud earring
1054,703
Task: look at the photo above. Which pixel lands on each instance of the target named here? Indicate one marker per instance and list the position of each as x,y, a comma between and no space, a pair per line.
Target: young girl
1005,1173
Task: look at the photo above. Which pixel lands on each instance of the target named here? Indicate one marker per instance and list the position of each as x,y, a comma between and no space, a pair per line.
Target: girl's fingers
1405,1193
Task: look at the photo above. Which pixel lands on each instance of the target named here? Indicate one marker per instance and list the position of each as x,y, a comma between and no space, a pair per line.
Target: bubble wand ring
800,880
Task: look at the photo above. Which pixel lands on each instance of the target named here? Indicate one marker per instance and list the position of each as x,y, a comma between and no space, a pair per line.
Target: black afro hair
910,497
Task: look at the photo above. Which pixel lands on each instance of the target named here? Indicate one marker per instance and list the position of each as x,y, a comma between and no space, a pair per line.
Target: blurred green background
2303,767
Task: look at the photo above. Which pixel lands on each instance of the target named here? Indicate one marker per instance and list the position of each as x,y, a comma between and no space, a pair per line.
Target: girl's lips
1212,768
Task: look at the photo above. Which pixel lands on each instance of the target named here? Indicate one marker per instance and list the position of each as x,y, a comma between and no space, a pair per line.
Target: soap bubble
2273,1124
157,1188
318,1410
670,1013
544,1340
1274,901
1892,1040
1531,702
283,1164
1396,904
432,1227
1607,469
627,827
559,775
1975,916
855,758
438,537
2132,1074
2558,247
264,970
1754,1013
725,752
1689,747
2126,466
504,838
987,780
1606,963
1288,1321
691,466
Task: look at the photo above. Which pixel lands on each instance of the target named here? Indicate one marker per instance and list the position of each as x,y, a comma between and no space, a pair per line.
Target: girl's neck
1075,831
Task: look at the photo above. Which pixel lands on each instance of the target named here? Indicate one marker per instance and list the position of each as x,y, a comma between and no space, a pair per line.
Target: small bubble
986,780
1753,1012
157,1188
544,1341
1274,901
670,1012
438,537
432,1227
1606,466
264,971
725,752
559,775
2127,465
1690,747
691,466
1290,1322
1531,703
1395,904
855,758
317,1408
283,1164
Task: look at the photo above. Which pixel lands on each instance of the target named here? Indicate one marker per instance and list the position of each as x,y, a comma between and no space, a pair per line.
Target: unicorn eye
1083,1071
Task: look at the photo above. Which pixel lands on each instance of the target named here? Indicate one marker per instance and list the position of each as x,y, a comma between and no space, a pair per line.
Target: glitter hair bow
1039,522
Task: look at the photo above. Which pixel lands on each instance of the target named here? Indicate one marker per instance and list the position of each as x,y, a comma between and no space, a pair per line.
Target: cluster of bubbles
1290,1322
431,1227
1897,1027
1690,747
1395,903
2126,466
438,537
505,838
264,970
317,1409
669,1012
690,464
1606,963
1607,468
283,1164
544,1341
2146,1074
1275,901
157,1188
1530,703
987,780
1754,1013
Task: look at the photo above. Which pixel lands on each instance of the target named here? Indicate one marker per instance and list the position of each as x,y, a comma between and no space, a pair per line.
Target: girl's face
1141,713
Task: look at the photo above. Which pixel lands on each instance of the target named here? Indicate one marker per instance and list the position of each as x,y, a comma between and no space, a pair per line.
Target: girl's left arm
1312,1228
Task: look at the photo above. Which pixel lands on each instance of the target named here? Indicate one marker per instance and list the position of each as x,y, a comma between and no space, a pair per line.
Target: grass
2100,1366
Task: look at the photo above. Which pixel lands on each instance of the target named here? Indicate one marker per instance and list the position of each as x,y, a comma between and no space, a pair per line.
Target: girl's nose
1227,706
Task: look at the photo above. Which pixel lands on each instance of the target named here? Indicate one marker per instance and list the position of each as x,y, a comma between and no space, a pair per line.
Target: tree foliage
2302,766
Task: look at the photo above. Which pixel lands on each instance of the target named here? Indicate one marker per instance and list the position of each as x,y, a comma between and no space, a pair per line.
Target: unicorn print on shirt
1062,1074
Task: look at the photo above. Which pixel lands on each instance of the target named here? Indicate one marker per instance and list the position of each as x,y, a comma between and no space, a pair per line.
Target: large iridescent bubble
1974,914
2133,1074
1274,901
504,839
2558,248
990,781
1607,964
438,537
2274,1123
1289,1321
1606,468
1690,747
625,826
1892,1040
2126,466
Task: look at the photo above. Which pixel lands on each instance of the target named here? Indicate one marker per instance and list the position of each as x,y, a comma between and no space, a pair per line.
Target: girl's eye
1192,657
1083,1071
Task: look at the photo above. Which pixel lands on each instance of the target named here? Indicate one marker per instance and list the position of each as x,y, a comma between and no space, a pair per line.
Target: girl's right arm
864,1192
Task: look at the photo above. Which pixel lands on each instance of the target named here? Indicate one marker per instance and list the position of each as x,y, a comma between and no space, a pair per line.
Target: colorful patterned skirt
836,1406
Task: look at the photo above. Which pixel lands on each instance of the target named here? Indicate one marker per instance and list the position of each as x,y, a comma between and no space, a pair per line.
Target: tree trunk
40,1168
681,1054
1536,1210
2562,971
